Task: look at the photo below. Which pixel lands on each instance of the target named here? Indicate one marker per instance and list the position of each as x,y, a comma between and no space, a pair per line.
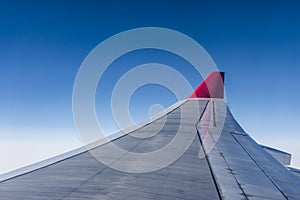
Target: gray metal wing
219,161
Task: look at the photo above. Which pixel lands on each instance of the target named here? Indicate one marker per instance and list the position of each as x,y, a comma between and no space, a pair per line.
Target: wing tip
211,87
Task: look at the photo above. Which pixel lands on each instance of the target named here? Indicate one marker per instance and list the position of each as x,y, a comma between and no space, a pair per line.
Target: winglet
211,87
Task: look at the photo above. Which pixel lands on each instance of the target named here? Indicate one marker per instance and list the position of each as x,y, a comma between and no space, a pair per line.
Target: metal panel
243,170
83,177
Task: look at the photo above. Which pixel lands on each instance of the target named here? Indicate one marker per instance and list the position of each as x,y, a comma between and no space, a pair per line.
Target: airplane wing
220,161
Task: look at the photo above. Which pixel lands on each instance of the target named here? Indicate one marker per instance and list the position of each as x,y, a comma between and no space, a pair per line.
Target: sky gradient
43,43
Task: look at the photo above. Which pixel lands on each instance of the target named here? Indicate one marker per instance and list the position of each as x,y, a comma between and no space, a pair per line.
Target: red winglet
211,87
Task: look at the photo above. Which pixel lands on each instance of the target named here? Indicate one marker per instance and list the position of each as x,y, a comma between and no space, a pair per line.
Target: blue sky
257,44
